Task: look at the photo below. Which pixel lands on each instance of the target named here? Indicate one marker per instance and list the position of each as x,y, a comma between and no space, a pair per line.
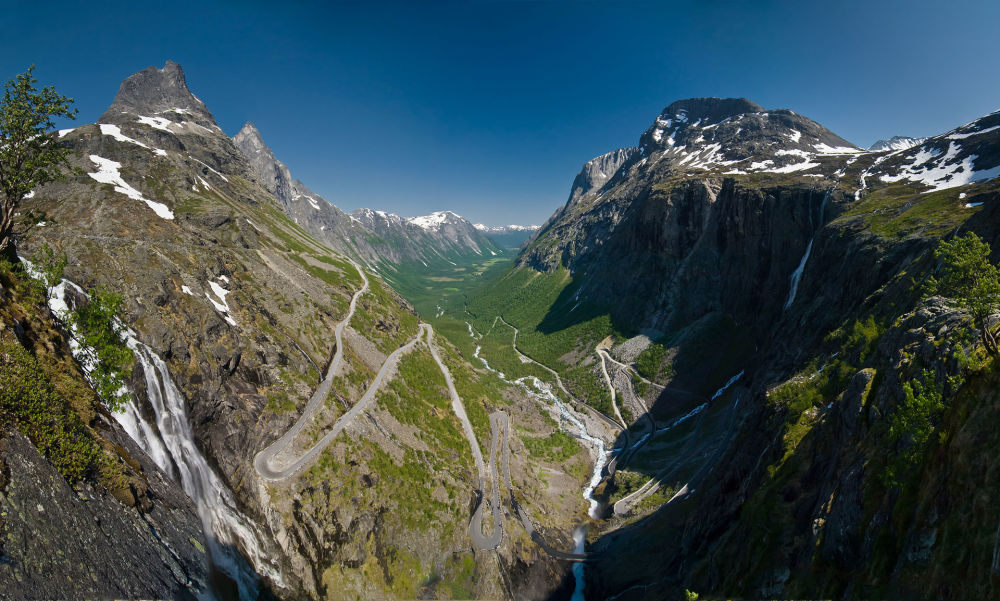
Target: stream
542,392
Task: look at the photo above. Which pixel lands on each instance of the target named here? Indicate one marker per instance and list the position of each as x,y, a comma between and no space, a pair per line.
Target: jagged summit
249,130
597,171
159,94
250,142
272,172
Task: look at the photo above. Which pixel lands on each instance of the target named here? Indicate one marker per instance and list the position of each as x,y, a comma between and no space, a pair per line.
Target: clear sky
489,108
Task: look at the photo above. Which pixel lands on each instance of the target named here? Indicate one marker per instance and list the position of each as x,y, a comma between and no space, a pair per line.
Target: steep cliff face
766,259
84,512
597,171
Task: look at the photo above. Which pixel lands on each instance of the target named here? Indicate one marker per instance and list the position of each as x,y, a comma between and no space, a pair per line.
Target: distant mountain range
896,143
374,236
511,237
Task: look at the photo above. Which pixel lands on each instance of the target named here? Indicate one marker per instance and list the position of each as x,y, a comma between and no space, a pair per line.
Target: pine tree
966,275
30,152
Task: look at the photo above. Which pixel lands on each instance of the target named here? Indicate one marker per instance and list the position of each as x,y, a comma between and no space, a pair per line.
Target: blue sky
490,108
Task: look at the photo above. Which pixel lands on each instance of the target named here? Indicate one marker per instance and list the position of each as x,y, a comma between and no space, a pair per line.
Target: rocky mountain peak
597,171
250,131
272,172
159,94
738,136
250,142
710,110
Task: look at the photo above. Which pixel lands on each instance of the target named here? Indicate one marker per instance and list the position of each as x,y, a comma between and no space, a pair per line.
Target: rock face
272,172
372,236
159,94
61,543
597,171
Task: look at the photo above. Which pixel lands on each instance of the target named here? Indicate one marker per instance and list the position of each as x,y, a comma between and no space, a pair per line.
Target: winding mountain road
264,460
626,504
632,370
481,542
486,543
500,421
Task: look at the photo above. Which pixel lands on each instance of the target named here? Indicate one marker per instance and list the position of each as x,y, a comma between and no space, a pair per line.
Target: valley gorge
691,379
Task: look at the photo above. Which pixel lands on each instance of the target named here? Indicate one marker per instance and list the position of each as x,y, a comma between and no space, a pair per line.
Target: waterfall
232,537
579,540
797,274
171,445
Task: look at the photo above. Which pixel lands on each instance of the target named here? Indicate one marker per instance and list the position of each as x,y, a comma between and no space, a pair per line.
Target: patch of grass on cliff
899,209
804,396
278,401
819,384
556,447
586,383
649,361
410,483
460,578
29,402
334,278
479,393
382,319
418,397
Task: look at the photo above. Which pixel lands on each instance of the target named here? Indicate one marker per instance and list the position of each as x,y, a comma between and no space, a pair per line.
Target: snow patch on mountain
158,123
223,306
108,173
942,171
435,220
896,143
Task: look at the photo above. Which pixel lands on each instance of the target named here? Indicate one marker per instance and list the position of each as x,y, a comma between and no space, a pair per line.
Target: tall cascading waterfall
171,445
236,546
797,274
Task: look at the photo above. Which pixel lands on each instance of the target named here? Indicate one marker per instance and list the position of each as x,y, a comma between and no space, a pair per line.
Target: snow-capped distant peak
494,229
435,220
896,143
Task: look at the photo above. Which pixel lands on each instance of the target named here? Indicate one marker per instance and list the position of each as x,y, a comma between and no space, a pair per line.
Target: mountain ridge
369,235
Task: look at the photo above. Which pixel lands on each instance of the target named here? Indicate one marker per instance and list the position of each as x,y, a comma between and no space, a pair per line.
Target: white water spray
542,392
171,446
